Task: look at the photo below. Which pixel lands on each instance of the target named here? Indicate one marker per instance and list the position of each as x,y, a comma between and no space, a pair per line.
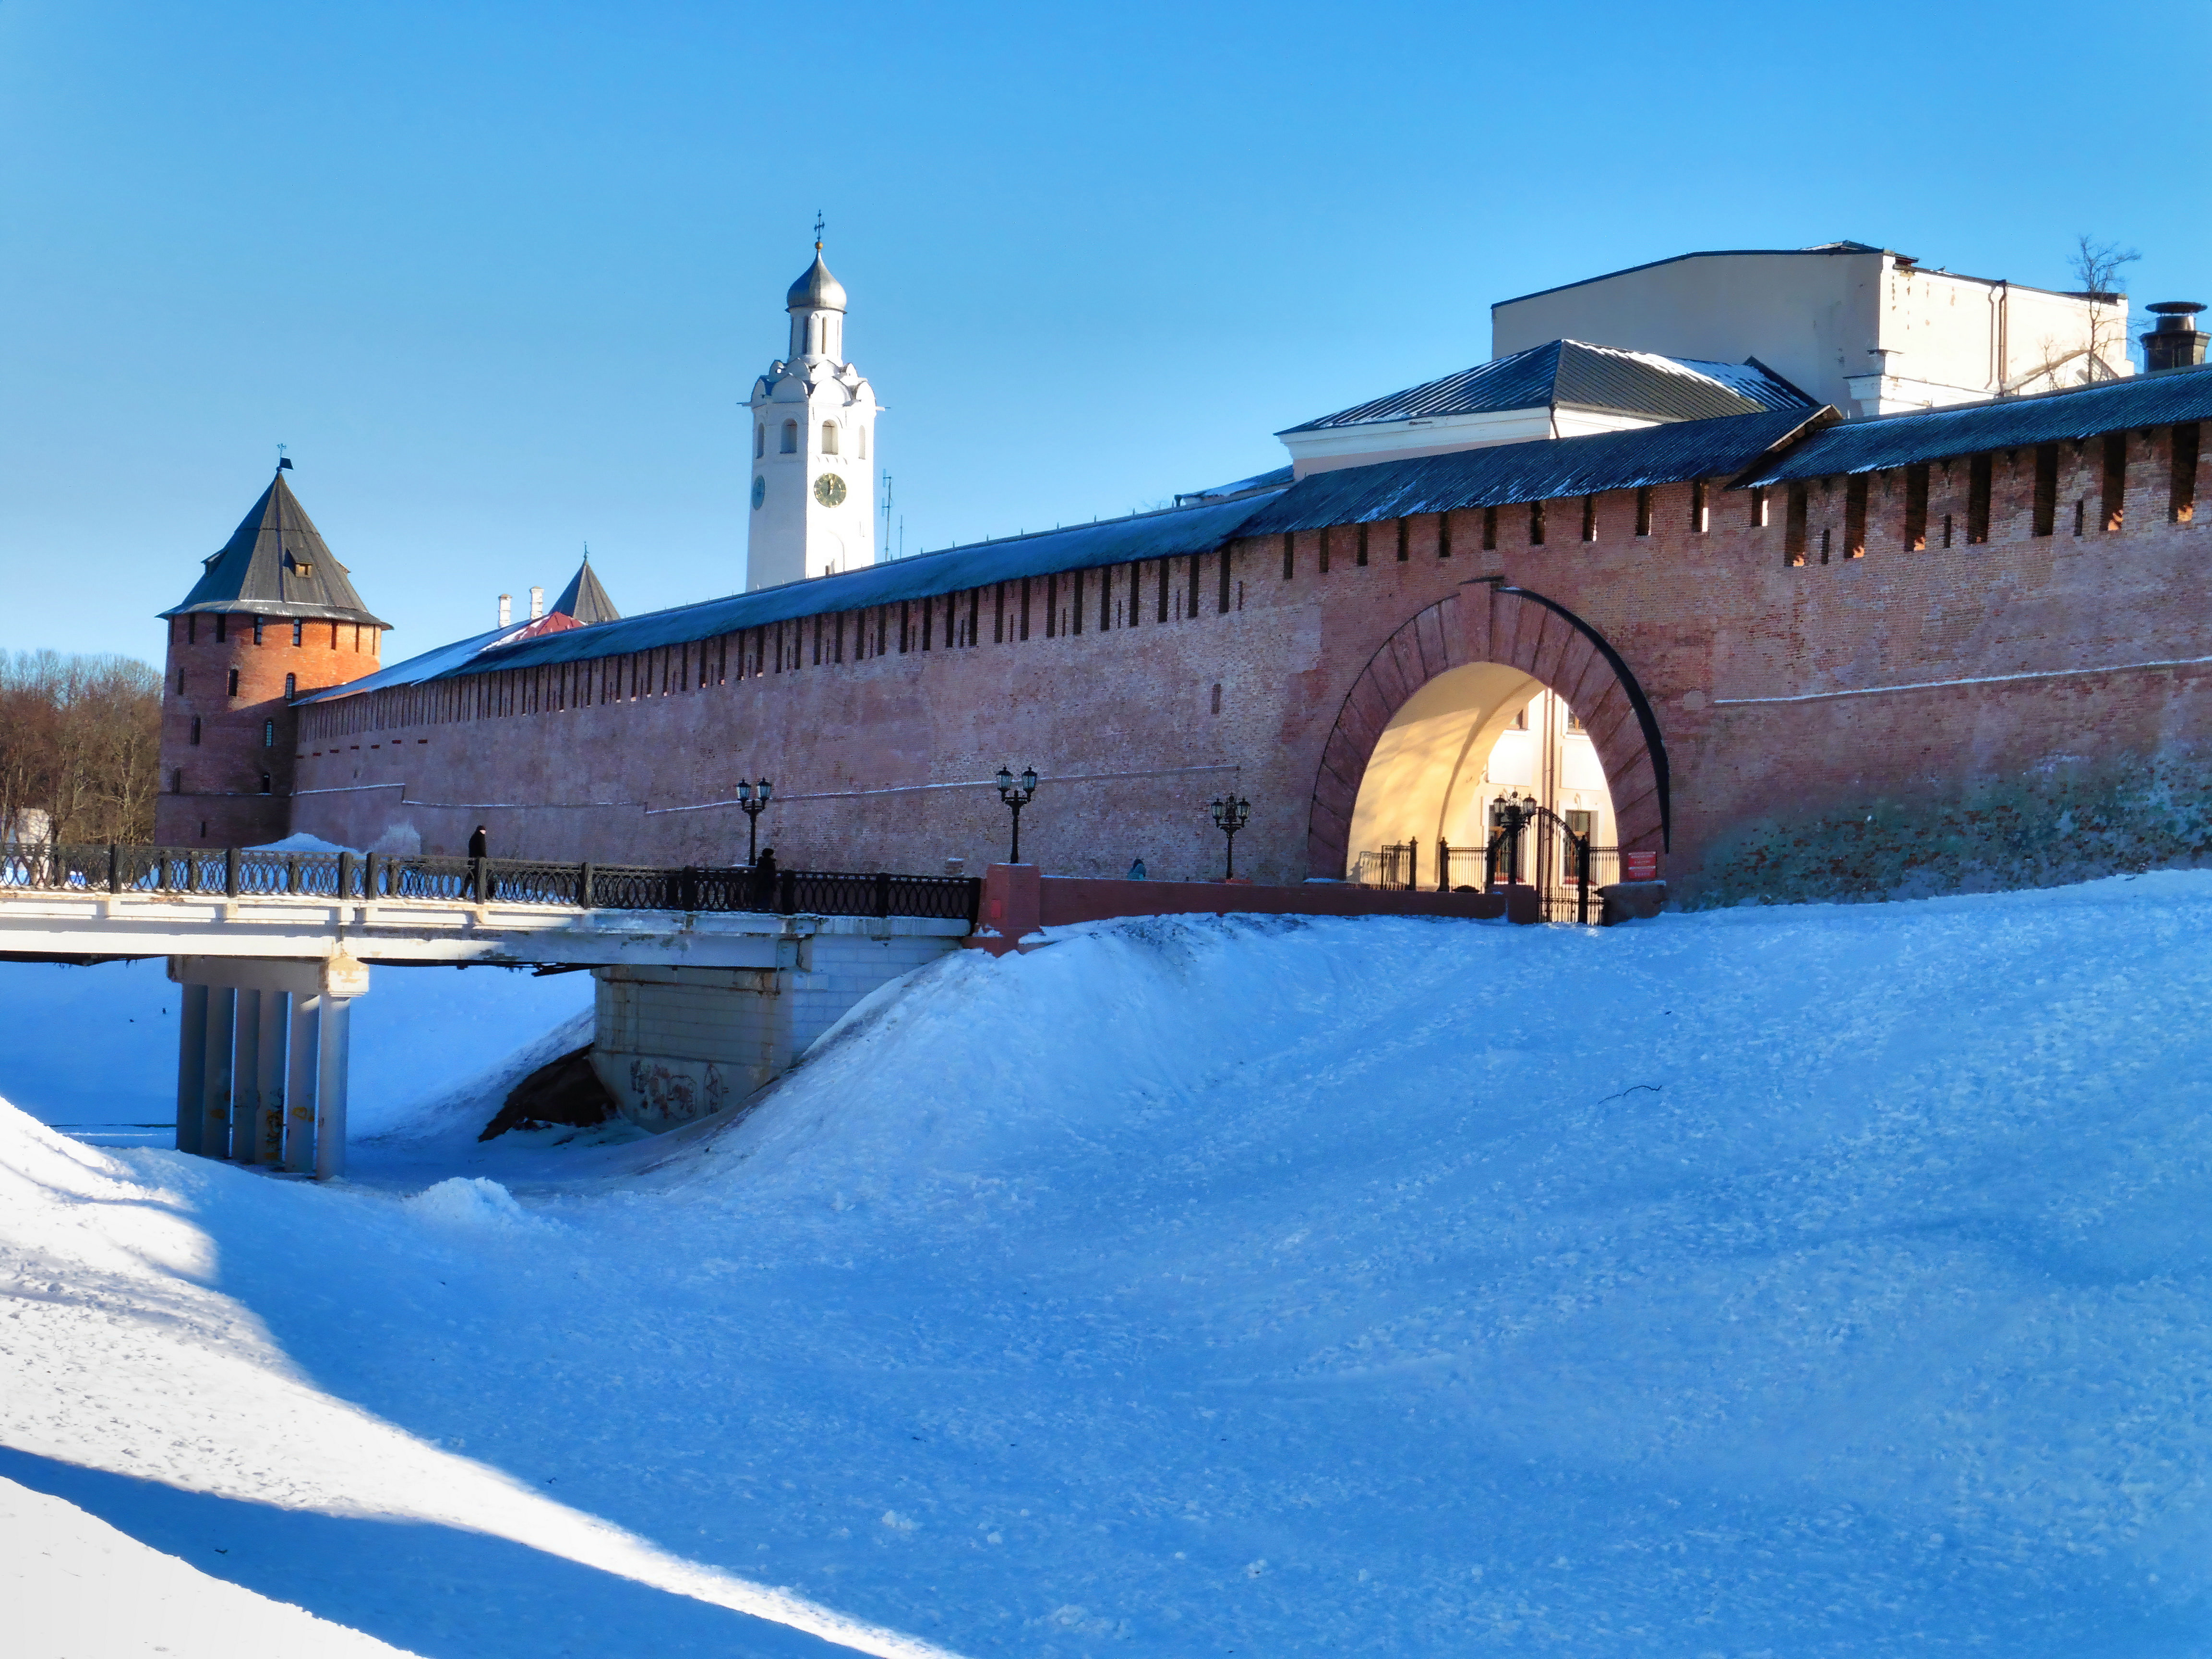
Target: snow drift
1823,1280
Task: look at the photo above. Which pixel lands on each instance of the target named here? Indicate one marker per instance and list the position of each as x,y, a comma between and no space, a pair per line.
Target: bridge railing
248,872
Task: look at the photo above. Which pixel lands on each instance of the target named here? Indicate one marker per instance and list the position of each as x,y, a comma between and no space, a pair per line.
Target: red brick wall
875,757
221,774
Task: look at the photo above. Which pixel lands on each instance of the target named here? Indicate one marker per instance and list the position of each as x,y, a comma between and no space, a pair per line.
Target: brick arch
1489,621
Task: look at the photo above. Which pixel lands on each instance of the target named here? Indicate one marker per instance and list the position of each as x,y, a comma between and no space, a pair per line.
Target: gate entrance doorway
1480,750
1494,693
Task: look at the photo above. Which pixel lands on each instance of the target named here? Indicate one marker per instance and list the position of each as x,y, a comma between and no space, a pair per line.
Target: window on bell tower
862,455
829,437
791,437
760,440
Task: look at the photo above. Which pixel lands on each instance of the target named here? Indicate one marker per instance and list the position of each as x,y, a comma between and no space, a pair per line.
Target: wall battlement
1840,707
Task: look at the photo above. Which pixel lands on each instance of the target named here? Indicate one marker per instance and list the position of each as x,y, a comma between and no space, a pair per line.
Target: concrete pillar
245,1075
673,1045
215,1091
191,1066
332,1037
300,1085
269,1080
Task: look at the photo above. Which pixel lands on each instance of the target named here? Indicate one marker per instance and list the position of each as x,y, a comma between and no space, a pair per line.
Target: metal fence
1547,862
1396,868
246,872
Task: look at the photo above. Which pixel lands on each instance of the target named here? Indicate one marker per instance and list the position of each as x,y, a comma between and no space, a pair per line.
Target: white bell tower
813,496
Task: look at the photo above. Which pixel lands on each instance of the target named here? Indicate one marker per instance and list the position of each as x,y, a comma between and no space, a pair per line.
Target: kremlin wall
1813,657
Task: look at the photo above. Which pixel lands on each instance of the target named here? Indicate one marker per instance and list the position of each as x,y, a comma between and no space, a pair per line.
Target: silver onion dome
817,290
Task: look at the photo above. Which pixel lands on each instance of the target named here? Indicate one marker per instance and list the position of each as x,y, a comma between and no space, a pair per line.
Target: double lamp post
1230,814
753,799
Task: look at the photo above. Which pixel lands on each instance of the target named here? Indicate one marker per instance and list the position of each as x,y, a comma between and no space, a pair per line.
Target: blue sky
501,275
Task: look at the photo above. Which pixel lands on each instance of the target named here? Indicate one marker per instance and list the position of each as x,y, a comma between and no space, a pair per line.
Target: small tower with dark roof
584,599
272,617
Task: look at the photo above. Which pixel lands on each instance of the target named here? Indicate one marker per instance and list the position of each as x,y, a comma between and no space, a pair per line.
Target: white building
814,435
1863,329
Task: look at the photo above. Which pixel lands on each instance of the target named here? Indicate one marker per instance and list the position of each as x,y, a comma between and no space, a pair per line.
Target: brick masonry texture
878,732
221,775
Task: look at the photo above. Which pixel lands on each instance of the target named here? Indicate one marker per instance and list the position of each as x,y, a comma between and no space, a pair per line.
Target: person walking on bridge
480,843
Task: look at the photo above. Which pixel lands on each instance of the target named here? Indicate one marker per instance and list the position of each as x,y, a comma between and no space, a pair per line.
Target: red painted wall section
1860,726
1019,900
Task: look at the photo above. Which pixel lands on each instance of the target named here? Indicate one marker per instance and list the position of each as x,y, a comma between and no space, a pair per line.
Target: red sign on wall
1639,867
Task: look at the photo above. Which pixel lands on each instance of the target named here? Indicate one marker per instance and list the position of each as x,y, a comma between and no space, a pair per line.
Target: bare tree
80,741
2099,271
2086,356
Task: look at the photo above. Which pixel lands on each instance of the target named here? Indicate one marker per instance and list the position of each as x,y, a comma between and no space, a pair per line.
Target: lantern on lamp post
752,799
1230,814
1016,793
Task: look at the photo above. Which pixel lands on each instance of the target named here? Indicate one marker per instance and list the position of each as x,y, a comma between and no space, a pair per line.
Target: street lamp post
753,800
1016,795
1231,814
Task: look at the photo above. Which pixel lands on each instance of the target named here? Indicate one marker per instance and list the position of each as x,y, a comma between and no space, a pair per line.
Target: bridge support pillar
246,1075
333,1045
268,1079
252,1090
301,1069
191,1066
675,1044
215,1086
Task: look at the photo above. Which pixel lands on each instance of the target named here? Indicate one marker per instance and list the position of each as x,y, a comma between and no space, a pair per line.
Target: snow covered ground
1805,1281
73,1586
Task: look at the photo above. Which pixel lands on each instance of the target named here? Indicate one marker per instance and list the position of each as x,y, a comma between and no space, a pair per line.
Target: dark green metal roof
584,599
1543,469
276,564
1937,435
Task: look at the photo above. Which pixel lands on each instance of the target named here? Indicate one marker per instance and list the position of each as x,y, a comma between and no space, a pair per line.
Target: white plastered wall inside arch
1470,739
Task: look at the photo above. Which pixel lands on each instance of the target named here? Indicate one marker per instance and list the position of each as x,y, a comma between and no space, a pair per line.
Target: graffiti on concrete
661,1095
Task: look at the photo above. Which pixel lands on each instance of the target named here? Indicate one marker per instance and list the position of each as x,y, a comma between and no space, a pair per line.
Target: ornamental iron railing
1396,867
1465,870
251,873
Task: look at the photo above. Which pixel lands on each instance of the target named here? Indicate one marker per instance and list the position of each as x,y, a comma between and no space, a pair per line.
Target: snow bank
74,1585
1817,1281
302,842
472,1202
123,1356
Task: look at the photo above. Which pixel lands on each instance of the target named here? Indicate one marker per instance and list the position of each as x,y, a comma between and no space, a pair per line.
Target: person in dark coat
764,879
480,843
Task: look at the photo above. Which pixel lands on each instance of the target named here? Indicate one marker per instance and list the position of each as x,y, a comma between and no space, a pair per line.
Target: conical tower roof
584,599
276,564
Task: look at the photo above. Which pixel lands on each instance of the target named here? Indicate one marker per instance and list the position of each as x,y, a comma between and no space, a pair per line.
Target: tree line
79,747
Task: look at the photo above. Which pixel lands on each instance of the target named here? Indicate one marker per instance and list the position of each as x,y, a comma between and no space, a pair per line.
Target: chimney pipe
537,602
506,609
2176,342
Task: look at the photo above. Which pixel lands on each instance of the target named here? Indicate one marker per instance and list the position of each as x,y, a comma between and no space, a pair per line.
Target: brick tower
272,617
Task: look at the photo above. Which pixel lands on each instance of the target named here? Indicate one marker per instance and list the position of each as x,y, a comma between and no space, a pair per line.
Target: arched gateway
1443,686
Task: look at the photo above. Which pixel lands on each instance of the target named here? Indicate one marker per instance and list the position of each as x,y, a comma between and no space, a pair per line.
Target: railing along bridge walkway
272,947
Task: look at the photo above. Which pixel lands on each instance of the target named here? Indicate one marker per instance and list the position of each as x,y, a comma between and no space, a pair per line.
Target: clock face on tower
760,491
830,489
